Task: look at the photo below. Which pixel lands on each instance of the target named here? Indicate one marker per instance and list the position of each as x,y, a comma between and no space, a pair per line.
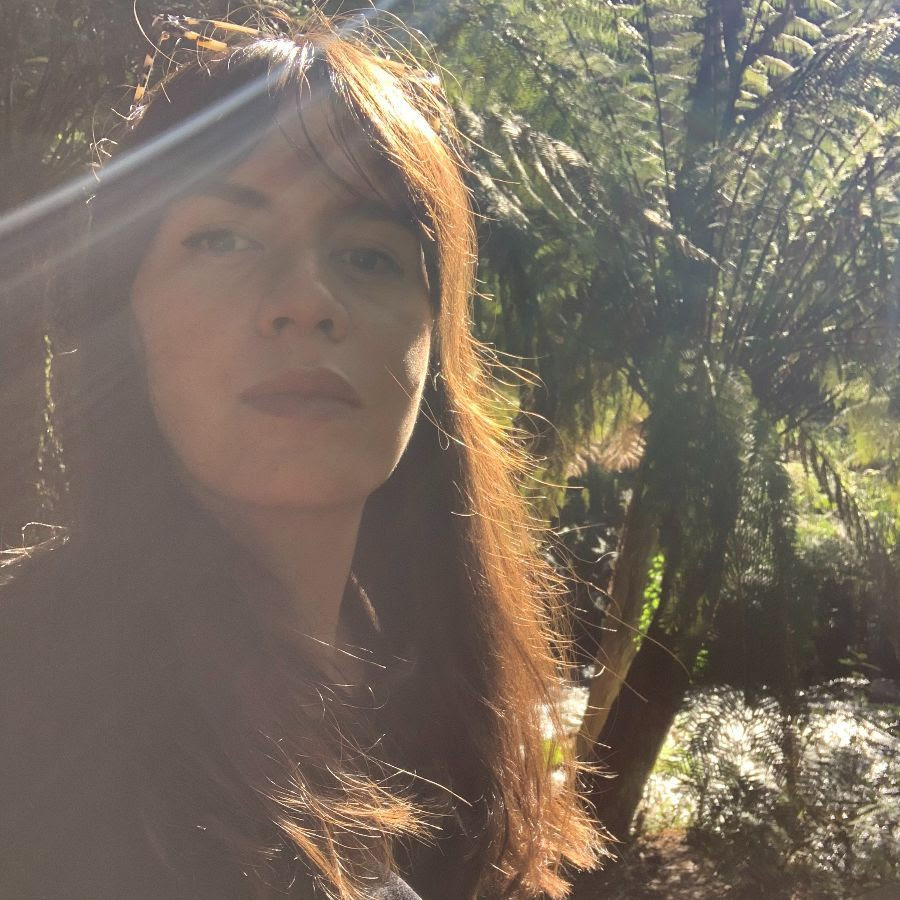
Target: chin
323,490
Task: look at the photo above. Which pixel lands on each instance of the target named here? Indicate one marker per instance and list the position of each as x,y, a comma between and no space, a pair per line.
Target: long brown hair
446,773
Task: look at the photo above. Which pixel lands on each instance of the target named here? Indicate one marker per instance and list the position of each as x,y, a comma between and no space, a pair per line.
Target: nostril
280,323
326,326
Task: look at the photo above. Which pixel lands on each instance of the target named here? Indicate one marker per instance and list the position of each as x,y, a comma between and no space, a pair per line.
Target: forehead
318,146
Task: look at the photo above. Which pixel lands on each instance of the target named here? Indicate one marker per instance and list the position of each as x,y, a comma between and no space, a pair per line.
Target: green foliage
651,595
623,222
690,212
63,66
693,204
783,796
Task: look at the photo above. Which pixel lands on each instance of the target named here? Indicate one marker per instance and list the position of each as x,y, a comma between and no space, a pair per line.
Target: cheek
400,365
407,341
176,306
406,380
181,363
164,328
178,328
168,367
417,357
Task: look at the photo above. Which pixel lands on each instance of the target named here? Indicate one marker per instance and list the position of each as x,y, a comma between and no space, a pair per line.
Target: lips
303,393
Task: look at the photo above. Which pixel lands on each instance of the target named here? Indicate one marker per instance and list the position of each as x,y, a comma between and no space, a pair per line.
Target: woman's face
285,325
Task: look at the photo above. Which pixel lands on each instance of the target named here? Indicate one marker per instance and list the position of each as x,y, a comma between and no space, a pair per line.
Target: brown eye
369,261
220,242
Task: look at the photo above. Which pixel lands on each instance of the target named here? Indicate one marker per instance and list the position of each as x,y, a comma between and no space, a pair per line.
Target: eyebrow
379,211
238,194
364,208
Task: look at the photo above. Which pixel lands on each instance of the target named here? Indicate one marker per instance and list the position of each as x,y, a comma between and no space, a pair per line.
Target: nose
298,296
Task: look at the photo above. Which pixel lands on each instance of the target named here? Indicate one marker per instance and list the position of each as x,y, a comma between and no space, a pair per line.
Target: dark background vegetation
689,222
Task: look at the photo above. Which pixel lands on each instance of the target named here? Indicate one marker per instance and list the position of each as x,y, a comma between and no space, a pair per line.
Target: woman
296,640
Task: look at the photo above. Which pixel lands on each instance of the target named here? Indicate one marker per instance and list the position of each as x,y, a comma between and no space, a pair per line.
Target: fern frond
775,66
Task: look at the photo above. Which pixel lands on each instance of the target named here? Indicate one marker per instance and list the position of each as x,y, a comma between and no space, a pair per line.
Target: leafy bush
786,795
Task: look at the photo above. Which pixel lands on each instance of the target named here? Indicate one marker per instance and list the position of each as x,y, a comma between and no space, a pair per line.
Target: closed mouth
302,391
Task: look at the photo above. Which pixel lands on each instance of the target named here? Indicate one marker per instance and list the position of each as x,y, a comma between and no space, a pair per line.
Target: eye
220,242
369,261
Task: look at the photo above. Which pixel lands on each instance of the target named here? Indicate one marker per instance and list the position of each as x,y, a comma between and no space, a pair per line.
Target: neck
307,552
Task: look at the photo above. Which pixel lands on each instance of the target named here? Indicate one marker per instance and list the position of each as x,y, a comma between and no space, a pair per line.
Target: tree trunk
635,732
618,646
